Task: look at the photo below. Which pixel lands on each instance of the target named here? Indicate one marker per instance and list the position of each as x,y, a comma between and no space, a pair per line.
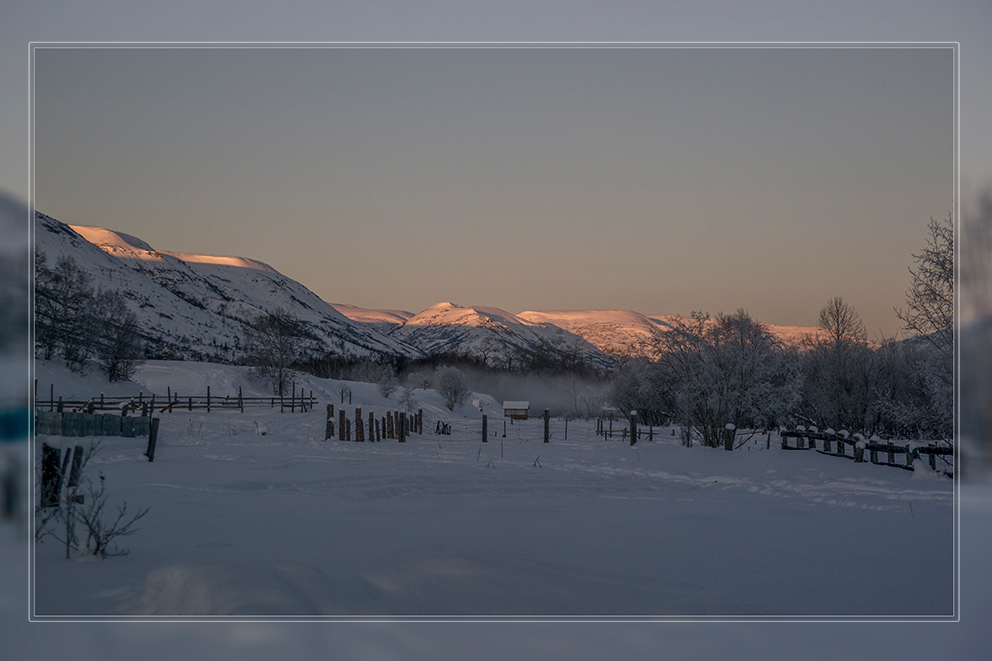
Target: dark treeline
77,322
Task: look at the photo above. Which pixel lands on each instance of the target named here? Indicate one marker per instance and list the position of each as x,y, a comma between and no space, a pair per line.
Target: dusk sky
663,180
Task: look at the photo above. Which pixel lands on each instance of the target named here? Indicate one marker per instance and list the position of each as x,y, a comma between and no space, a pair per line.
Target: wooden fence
53,423
90,424
152,403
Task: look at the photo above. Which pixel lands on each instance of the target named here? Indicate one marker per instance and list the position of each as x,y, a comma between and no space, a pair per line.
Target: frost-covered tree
379,372
840,371
636,386
728,369
451,384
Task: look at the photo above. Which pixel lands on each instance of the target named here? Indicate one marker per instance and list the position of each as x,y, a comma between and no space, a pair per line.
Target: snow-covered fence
878,452
934,451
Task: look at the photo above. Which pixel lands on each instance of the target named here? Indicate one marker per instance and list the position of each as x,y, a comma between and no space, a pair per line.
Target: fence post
401,427
371,427
241,401
378,435
547,426
359,432
329,427
341,425
208,399
152,438
633,428
485,427
389,425
420,421
77,466
728,436
49,475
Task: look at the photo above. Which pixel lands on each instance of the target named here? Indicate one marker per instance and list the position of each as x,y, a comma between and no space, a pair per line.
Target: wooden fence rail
878,452
174,402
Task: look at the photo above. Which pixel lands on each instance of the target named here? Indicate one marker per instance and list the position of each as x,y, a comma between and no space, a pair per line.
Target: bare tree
102,531
272,346
842,321
119,346
63,310
930,299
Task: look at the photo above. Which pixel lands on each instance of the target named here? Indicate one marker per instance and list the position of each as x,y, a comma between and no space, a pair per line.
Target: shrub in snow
73,500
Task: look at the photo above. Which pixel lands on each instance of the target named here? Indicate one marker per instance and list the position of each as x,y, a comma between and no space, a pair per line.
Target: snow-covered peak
479,316
126,246
220,260
105,238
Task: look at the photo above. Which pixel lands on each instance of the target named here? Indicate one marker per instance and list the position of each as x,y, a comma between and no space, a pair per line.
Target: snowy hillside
615,332
196,306
383,320
489,332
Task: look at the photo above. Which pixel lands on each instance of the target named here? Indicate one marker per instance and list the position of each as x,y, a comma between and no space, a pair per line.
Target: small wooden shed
516,410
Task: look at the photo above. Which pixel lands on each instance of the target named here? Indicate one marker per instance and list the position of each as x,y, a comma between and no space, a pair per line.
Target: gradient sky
663,180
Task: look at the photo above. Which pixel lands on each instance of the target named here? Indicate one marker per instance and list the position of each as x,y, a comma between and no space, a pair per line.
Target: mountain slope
614,332
197,306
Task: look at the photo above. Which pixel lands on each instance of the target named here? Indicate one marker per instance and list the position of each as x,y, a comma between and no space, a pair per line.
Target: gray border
514,45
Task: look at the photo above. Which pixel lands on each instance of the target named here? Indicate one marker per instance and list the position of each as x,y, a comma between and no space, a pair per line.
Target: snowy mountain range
195,306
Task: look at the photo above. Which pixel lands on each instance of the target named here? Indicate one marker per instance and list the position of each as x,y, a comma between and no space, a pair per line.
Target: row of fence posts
391,425
630,431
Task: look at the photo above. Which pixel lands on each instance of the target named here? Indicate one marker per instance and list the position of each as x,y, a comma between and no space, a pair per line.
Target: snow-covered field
286,525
